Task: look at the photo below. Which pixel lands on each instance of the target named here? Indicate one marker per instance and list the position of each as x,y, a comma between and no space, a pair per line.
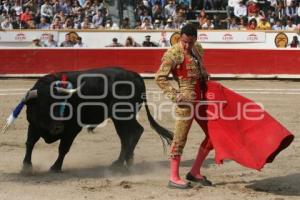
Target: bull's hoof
55,169
27,168
118,168
130,162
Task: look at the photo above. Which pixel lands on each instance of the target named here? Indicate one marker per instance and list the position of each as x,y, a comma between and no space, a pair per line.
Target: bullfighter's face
187,42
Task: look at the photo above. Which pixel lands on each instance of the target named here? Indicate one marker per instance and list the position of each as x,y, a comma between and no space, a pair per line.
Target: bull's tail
15,113
11,118
165,135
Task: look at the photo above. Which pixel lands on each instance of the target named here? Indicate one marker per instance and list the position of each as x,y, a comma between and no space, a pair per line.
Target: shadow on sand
283,185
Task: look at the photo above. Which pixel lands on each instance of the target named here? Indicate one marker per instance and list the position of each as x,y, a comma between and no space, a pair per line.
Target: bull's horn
31,94
68,91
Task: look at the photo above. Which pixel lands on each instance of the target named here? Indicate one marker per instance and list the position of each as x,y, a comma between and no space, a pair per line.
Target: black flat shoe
173,185
203,181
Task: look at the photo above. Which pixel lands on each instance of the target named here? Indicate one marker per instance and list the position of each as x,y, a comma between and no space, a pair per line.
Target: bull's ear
31,94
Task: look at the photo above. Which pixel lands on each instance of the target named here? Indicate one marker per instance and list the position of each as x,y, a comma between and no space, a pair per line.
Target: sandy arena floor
86,175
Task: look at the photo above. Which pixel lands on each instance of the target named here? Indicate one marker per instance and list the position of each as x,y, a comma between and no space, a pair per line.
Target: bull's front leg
64,147
32,138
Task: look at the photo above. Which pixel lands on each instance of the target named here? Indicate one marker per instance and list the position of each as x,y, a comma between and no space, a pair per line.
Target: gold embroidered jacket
186,70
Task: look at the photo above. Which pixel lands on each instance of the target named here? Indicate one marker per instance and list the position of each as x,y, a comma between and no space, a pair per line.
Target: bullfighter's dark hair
189,30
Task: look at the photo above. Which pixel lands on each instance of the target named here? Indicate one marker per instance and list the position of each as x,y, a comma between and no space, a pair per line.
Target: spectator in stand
208,25
233,25
138,25
78,18
243,23
86,24
146,15
50,42
170,24
68,7
291,11
131,43
163,42
115,43
139,10
69,23
6,24
252,24
87,7
56,24
146,25
125,23
157,25
75,7
202,17
57,7
157,12
263,24
278,26
67,42
79,43
98,19
47,11
217,22
290,26
295,42
18,8
170,9
26,16
252,9
180,17
230,7
61,16
148,43
280,11
17,23
6,7
240,10
36,43
43,25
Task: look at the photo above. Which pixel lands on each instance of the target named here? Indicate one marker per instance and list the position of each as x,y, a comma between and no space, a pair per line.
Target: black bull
56,111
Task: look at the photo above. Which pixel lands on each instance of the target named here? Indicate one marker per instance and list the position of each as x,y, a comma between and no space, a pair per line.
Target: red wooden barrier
217,61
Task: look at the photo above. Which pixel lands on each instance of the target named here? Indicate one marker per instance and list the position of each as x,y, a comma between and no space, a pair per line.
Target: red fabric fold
240,129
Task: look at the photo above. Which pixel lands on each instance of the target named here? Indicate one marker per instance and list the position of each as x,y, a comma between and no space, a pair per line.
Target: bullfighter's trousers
185,114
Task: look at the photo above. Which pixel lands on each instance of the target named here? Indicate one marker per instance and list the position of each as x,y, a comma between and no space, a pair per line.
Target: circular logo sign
174,38
281,40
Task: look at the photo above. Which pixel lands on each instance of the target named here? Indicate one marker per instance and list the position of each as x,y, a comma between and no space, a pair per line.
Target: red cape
241,130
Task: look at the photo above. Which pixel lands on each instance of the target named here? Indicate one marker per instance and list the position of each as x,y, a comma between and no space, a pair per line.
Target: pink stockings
174,170
203,151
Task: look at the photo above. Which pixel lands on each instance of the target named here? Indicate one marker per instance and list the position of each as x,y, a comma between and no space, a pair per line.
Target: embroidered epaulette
175,54
199,47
